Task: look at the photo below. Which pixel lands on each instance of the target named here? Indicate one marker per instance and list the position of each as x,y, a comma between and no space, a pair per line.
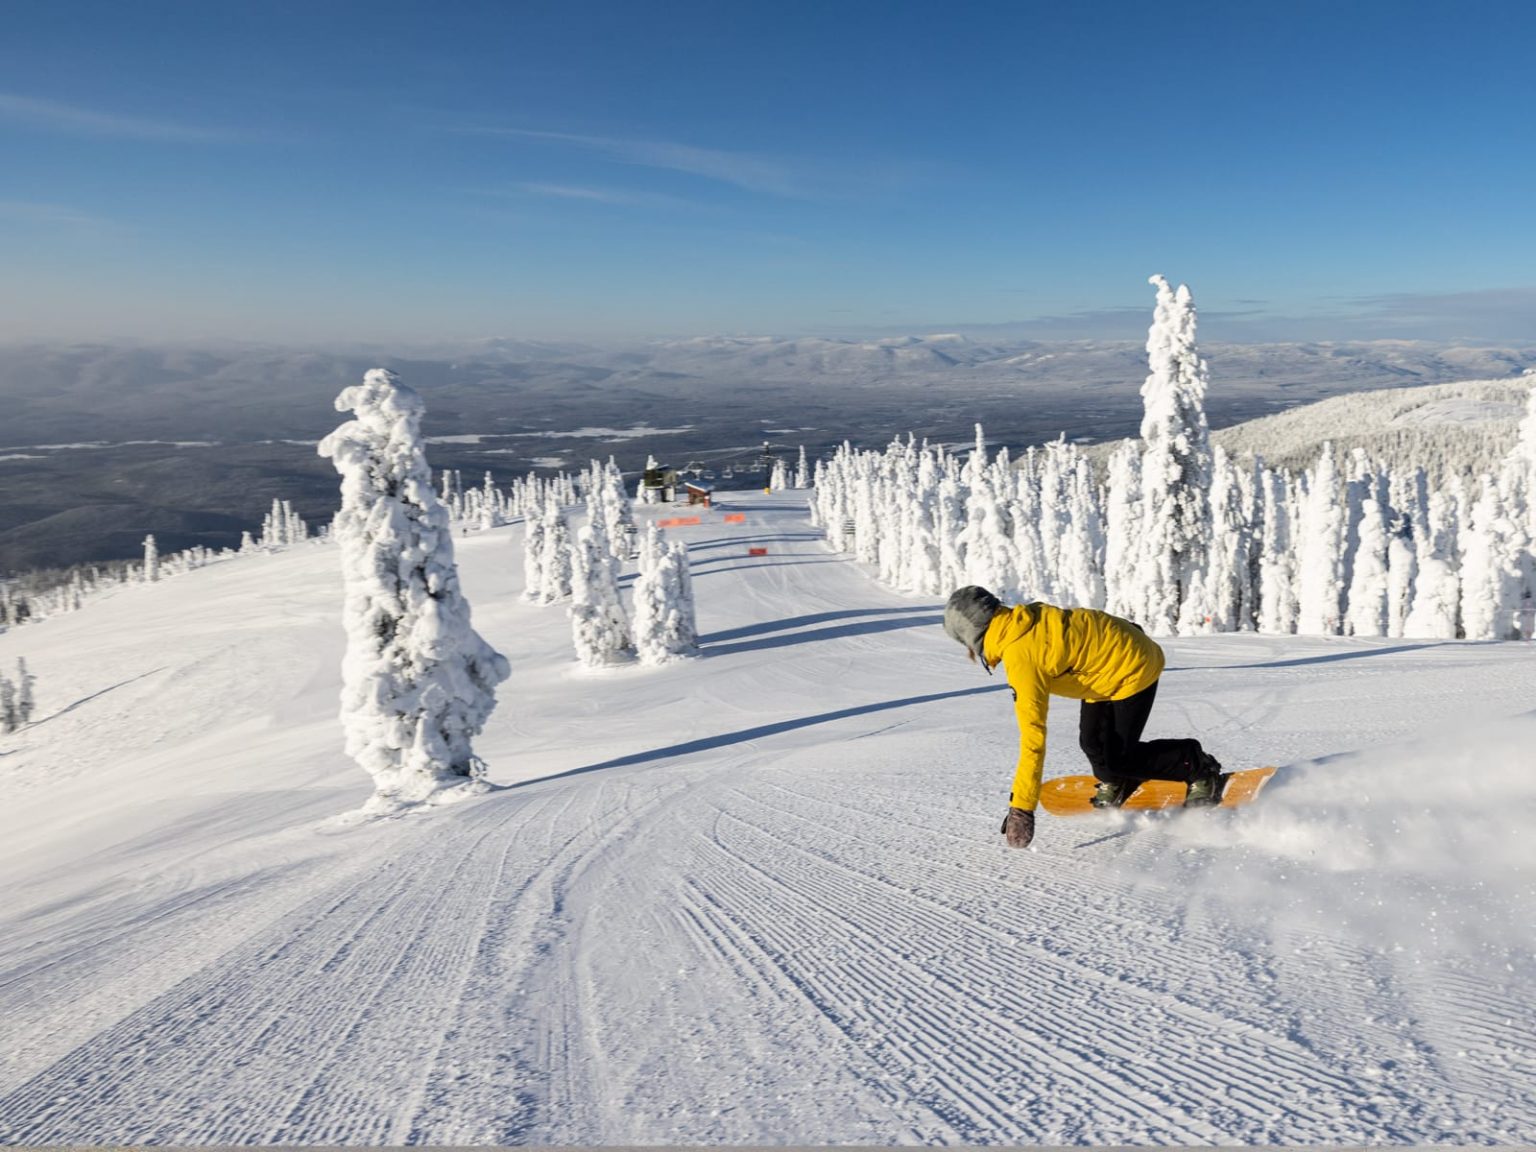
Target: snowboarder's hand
1019,827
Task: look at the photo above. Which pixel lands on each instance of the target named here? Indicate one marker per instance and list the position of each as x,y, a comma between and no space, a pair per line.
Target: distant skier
1109,664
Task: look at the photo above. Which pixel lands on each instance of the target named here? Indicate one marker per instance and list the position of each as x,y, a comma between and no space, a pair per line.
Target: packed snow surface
755,897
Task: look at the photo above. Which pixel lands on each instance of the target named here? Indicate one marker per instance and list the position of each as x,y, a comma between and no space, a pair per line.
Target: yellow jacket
1076,652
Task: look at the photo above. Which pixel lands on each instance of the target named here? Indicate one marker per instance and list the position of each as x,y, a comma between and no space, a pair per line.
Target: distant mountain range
100,444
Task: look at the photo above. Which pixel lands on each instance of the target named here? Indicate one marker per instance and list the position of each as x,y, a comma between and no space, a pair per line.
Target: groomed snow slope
759,897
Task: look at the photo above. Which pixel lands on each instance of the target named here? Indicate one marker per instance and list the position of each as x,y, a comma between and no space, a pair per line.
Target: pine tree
599,629
1491,570
1230,544
1320,551
1123,512
418,682
1369,582
151,561
664,627
26,701
10,718
1276,600
555,564
1435,613
533,556
1176,461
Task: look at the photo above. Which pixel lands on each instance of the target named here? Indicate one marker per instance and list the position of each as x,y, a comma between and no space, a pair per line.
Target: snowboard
1069,795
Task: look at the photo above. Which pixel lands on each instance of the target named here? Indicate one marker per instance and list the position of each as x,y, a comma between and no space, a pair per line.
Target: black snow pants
1110,735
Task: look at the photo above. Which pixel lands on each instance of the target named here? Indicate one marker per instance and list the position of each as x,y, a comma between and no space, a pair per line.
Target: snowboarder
1109,664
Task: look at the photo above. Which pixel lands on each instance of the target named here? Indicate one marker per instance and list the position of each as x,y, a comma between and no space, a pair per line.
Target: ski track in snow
756,898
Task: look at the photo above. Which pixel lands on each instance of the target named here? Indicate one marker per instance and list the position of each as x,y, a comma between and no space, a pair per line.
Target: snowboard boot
1111,793
1207,784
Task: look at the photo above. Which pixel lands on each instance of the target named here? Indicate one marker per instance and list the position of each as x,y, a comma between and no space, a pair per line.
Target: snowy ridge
1463,428
756,896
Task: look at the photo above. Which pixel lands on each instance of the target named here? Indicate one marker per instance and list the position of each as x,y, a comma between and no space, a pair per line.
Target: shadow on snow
726,739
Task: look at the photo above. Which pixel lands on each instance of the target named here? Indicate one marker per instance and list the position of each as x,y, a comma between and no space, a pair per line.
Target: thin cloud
756,173
573,192
52,116
612,196
58,216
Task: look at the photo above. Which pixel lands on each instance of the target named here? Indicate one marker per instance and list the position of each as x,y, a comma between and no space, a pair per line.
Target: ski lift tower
766,458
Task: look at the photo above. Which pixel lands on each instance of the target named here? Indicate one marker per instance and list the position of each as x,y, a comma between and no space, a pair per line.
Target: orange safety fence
757,551
677,522
735,517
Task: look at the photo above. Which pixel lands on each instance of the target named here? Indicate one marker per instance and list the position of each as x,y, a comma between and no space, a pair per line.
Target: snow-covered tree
151,560
418,682
664,627
26,700
1320,551
1228,564
778,479
1370,576
1176,462
599,628
10,716
802,471
555,555
1436,610
1491,584
533,556
1277,562
1122,531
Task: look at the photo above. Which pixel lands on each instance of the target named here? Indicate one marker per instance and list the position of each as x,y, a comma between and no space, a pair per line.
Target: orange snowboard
1068,795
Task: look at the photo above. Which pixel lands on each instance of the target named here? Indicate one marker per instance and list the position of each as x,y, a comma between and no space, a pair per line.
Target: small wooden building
658,484
698,493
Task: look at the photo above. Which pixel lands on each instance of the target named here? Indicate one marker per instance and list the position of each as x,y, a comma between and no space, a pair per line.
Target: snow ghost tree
25,698
533,555
599,628
151,560
1176,462
418,682
663,607
555,550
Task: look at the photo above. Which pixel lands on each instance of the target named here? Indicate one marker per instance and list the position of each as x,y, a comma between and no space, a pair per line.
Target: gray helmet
966,616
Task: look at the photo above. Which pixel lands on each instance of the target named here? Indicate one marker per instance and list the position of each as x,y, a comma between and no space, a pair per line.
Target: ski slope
758,897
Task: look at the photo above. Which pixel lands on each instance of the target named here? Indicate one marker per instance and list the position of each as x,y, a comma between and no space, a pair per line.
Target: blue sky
336,171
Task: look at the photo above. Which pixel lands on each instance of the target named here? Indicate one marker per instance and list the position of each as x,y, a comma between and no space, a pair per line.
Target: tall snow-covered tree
10,717
26,699
1436,610
1491,567
555,553
533,556
664,624
802,471
151,560
1370,574
418,682
1231,543
1277,554
1122,531
1320,551
599,627
1176,461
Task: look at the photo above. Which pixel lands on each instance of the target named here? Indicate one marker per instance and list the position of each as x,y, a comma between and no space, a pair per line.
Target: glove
1019,827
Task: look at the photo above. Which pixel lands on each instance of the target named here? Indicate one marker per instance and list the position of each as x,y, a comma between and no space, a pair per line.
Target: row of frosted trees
1184,539
583,566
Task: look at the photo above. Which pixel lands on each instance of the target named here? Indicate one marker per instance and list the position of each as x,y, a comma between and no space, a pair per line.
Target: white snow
757,897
